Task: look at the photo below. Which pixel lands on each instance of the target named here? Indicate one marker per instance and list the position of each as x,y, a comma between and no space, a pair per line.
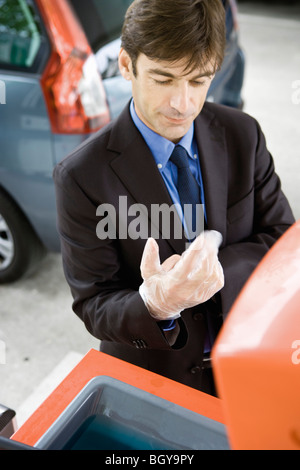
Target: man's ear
125,64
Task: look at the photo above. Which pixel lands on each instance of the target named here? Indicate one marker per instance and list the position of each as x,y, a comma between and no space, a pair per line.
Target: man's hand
181,281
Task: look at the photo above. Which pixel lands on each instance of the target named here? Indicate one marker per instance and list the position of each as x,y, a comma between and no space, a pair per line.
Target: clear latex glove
181,281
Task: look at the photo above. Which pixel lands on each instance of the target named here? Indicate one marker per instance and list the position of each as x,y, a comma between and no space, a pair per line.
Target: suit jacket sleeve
108,305
254,223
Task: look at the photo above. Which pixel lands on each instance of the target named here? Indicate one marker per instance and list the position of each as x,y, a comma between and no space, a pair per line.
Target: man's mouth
177,120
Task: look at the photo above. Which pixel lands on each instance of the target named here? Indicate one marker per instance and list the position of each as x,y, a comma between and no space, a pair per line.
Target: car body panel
29,151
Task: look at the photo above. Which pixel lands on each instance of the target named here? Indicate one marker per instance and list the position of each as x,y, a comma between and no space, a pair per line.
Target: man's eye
197,83
163,82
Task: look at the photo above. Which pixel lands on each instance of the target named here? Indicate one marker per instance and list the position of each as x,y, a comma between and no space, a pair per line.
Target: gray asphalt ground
43,338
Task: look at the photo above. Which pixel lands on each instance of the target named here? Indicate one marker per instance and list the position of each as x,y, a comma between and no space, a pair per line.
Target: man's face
166,98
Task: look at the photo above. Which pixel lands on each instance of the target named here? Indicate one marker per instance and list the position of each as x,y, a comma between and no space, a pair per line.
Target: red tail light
71,83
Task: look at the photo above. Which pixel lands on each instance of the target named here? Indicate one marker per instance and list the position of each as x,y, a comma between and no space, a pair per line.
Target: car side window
20,33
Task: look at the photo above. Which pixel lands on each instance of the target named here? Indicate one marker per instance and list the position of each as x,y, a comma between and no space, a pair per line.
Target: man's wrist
156,312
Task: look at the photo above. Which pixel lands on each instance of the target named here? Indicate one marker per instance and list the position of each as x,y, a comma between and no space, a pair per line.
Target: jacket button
198,316
195,370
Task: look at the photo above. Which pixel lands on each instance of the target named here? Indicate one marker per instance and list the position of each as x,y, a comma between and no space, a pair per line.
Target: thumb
150,263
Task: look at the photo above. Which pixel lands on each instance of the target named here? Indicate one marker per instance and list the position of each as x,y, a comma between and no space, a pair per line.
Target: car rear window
102,20
20,33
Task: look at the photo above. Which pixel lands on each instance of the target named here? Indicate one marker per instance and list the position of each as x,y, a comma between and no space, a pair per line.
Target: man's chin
175,133
174,129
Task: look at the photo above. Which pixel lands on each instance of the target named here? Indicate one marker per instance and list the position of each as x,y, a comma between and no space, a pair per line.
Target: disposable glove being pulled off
181,281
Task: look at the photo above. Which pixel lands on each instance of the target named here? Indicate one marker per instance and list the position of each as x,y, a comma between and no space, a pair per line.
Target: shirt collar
161,147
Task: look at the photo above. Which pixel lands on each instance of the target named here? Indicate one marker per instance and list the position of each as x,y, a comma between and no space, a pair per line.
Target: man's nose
180,98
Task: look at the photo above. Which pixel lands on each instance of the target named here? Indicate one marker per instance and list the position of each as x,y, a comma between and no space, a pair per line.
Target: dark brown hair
172,30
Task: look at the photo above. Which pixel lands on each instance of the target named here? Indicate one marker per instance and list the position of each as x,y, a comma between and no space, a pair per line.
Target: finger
213,283
150,263
190,259
209,255
207,269
213,237
169,263
197,244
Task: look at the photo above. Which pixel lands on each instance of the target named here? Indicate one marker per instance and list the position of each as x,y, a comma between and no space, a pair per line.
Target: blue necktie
189,193
187,186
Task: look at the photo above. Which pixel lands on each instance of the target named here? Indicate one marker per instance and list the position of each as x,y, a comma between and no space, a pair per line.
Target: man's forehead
178,68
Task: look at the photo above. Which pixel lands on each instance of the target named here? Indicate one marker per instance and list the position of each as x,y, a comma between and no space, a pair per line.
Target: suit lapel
214,167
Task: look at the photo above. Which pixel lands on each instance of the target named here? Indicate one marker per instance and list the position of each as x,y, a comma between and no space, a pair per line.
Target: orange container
204,412
257,354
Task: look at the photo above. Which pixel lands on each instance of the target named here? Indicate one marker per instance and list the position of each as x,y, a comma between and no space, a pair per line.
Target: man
159,302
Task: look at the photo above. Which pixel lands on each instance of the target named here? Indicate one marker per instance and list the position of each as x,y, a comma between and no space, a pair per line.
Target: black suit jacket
244,202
